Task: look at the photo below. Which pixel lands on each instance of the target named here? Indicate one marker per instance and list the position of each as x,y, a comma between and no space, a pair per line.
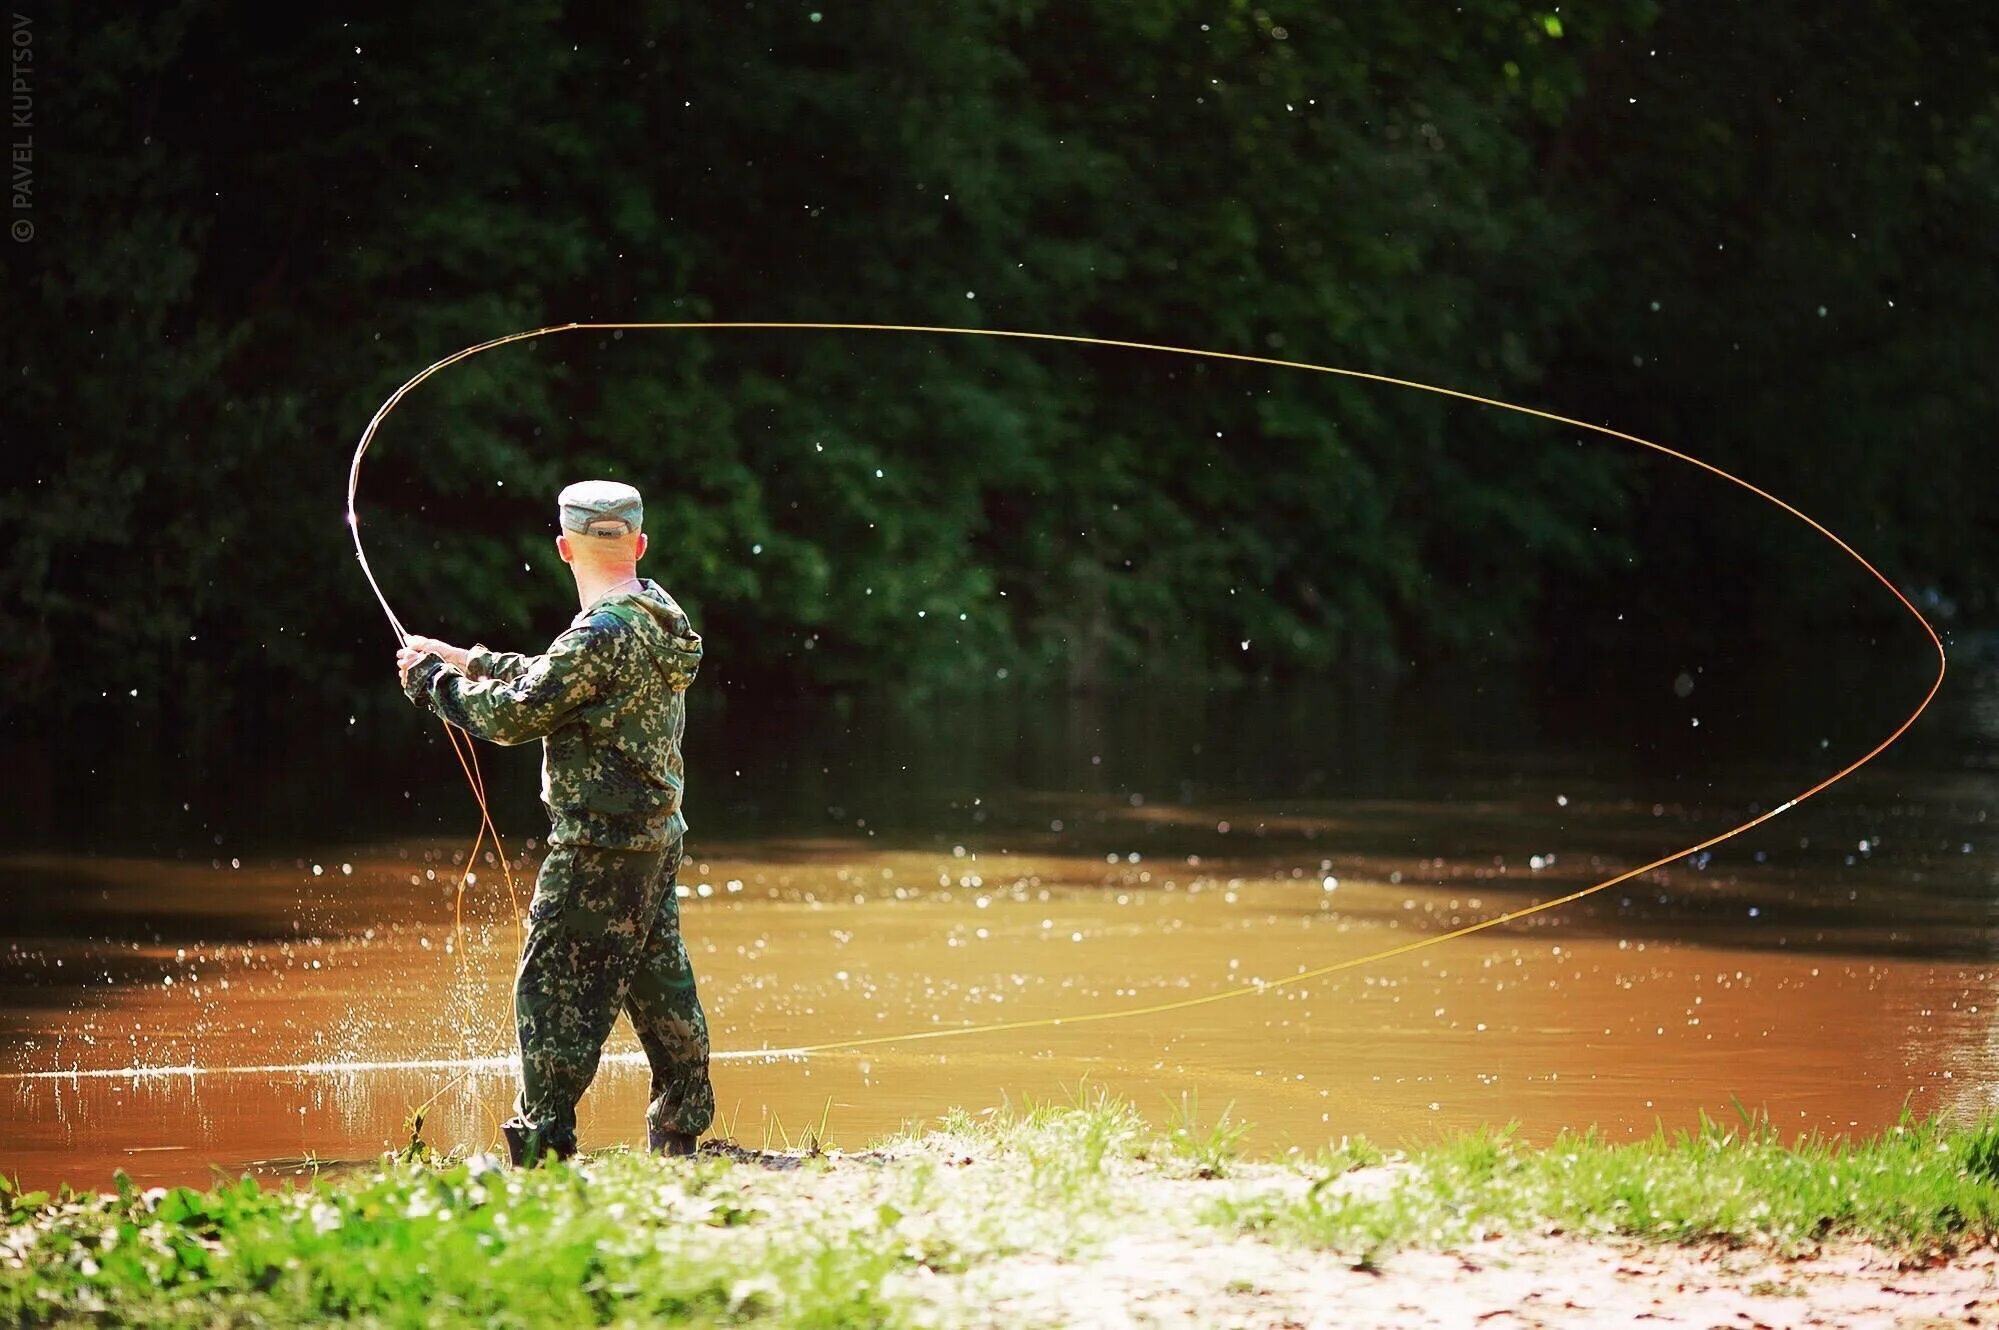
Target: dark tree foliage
1794,208
1762,233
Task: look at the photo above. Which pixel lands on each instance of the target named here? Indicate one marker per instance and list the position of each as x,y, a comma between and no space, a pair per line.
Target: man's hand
407,657
456,657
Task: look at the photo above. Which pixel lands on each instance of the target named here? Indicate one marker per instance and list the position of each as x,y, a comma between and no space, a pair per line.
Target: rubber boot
666,1142
527,1147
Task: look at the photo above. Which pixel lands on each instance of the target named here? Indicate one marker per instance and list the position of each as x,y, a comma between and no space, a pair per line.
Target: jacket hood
650,608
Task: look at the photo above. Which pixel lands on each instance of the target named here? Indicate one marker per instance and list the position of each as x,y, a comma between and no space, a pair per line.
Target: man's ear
639,549
562,548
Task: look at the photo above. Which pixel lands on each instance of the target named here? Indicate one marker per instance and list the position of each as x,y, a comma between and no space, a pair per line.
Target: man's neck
593,584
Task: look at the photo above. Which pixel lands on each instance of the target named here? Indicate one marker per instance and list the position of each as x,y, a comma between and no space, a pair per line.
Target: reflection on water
241,1006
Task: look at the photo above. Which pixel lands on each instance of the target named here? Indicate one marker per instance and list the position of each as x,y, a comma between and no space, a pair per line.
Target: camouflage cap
601,508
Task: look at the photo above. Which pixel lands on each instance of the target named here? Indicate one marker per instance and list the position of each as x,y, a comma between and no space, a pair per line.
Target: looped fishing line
470,765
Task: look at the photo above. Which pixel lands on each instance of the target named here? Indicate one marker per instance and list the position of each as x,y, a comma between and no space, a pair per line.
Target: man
607,700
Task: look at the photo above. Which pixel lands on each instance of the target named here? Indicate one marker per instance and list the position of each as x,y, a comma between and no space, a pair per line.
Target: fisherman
608,701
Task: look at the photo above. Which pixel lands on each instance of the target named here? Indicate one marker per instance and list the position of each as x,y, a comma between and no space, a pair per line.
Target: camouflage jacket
607,700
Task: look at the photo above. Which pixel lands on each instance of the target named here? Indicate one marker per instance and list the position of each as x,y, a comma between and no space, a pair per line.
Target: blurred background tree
1762,233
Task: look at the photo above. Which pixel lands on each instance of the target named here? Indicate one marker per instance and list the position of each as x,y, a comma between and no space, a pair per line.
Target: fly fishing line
470,766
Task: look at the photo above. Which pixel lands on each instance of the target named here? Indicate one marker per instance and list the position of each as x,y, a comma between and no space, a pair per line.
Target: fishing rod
470,764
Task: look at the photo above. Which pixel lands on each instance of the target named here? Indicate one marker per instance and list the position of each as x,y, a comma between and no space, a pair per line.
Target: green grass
1927,1186
1210,1148
1063,1148
620,1240
906,1233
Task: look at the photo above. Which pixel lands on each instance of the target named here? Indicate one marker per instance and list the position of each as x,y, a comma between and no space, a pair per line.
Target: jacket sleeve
535,702
505,665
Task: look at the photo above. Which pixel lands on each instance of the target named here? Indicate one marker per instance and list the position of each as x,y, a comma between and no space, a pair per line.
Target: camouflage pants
604,936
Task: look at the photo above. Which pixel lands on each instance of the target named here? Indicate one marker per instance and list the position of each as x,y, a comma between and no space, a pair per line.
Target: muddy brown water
255,1007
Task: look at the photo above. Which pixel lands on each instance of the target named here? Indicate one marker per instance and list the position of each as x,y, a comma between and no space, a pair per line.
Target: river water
264,958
